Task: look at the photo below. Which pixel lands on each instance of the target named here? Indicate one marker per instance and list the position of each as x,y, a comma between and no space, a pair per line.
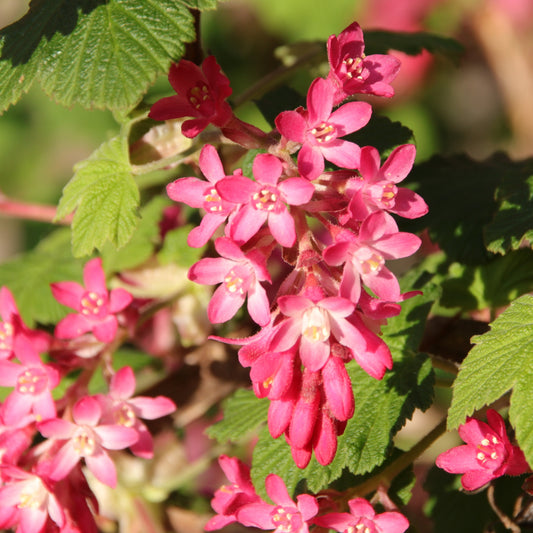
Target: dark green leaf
499,362
98,53
512,226
243,413
277,100
411,43
105,199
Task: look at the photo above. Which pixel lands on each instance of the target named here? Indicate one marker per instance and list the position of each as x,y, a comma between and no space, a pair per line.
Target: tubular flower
96,307
201,194
362,518
201,93
318,130
351,71
487,454
239,275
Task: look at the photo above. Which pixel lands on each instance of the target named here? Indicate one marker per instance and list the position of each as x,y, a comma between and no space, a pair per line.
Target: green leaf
500,362
105,197
492,285
176,250
243,412
411,43
98,53
142,244
452,509
382,133
29,276
460,193
277,100
513,223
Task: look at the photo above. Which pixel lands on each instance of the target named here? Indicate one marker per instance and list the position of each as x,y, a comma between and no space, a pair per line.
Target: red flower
487,454
202,94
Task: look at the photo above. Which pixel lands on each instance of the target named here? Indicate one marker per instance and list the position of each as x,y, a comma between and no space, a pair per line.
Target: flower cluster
43,486
239,502
329,207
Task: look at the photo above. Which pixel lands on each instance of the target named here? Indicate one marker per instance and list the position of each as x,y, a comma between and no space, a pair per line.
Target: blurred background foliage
477,106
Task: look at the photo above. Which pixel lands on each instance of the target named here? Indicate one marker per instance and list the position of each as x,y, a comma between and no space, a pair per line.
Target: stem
390,472
505,520
175,160
27,211
444,364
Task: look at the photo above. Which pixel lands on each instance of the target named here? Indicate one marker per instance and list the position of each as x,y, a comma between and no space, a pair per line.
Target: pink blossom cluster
49,439
239,502
328,204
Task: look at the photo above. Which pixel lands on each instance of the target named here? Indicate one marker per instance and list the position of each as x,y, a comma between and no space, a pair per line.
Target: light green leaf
98,53
500,361
29,276
243,413
176,250
105,199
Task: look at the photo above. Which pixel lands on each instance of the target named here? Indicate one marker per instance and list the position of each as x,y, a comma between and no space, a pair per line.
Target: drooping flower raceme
240,275
351,71
96,307
487,454
264,200
201,93
362,518
319,130
201,194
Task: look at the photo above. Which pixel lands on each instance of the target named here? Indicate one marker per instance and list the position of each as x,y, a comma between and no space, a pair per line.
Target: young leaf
243,412
500,362
29,276
97,53
105,199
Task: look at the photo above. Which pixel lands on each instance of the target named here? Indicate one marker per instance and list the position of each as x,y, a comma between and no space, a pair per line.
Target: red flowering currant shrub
129,362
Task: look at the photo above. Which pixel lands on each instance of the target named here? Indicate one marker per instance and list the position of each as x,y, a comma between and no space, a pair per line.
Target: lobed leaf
98,53
500,362
104,197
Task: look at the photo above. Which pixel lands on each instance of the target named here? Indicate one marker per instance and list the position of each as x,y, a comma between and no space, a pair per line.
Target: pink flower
353,72
123,410
33,382
95,306
376,189
239,275
364,256
487,454
319,129
12,328
362,517
86,438
31,500
201,93
201,194
264,200
230,498
285,516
